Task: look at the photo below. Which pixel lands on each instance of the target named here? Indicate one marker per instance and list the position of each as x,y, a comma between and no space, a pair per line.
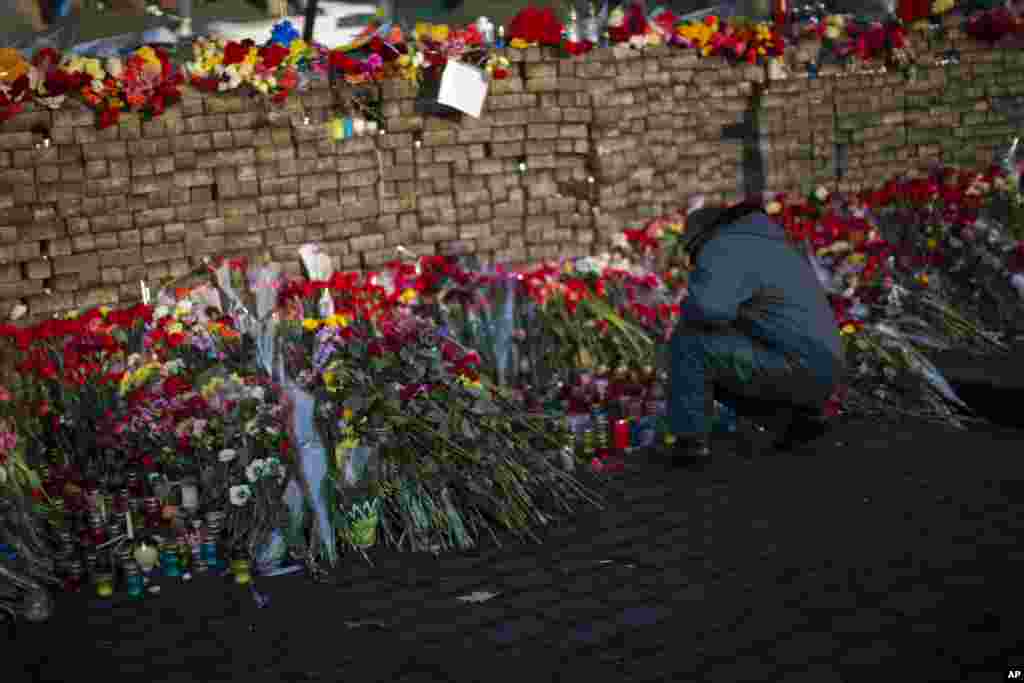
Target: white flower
18,311
227,455
161,312
255,470
115,67
773,208
240,495
821,194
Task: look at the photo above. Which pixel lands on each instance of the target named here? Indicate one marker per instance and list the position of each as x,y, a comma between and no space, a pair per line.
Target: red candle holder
620,435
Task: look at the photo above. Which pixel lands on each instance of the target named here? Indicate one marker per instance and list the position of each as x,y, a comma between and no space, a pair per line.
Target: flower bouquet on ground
456,458
26,549
587,330
885,319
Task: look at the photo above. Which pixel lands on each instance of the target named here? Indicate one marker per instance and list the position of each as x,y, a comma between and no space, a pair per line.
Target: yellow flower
252,57
942,6
923,278
408,296
932,243
470,384
71,315
175,328
346,414
298,50
676,227
857,259
518,44
833,32
104,311
773,208
211,387
310,324
848,329
331,381
148,55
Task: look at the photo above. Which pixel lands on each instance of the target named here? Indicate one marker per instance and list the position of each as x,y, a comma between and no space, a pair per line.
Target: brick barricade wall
608,139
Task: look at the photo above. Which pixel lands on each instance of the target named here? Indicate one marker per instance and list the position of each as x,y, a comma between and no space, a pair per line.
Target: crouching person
756,333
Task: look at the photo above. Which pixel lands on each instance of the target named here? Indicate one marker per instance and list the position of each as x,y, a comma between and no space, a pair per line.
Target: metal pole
307,32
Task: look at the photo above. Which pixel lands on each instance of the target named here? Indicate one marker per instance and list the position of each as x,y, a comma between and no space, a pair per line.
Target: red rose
576,48
234,53
339,60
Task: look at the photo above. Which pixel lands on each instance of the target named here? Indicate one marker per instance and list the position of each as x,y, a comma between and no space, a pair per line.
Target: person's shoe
801,431
688,451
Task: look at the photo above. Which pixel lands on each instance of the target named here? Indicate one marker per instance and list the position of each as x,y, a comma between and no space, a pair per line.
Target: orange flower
12,65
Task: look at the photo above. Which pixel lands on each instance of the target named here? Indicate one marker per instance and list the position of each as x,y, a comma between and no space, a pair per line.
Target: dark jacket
748,276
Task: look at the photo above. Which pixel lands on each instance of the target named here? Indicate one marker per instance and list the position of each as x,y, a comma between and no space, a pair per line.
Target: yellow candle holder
105,585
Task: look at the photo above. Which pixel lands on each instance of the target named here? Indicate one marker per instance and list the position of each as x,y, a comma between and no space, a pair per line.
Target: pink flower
4,394
8,442
374,62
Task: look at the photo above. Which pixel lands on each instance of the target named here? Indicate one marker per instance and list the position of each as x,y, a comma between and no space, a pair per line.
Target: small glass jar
242,571
133,581
105,584
151,506
209,554
169,561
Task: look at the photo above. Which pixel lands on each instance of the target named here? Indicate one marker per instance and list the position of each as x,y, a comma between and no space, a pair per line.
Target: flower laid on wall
736,39
534,26
147,82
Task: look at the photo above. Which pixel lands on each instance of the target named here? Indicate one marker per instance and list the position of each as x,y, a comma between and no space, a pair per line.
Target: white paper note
463,87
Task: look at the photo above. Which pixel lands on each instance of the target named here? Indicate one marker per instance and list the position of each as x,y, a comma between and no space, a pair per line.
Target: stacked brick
568,152
796,126
972,92
870,129
657,137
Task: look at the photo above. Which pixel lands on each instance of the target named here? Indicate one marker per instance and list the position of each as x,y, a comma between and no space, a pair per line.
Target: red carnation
273,55
535,25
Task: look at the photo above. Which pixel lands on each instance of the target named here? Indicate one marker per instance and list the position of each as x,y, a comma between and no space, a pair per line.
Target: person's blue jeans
739,371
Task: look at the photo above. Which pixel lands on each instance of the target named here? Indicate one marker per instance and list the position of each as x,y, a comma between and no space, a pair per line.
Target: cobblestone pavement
879,550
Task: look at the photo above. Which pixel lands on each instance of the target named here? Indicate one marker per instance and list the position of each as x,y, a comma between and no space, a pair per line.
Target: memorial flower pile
993,25
735,39
147,83
274,69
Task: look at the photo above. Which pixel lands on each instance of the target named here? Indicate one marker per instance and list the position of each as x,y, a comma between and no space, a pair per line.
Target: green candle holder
364,531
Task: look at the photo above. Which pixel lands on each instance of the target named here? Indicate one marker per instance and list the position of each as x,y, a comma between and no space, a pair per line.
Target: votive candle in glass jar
241,569
209,554
105,585
151,506
169,560
133,582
